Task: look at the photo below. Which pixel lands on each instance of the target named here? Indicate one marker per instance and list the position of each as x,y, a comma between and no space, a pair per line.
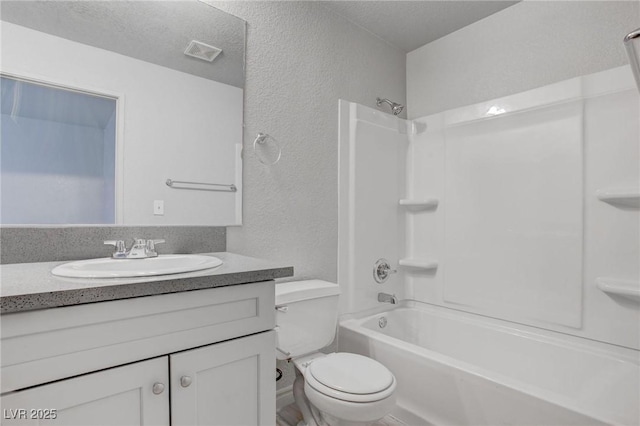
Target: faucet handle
118,244
382,270
121,248
151,246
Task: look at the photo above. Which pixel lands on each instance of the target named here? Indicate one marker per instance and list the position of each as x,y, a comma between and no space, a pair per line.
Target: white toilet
337,389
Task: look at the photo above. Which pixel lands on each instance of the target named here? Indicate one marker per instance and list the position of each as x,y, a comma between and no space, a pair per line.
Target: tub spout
387,298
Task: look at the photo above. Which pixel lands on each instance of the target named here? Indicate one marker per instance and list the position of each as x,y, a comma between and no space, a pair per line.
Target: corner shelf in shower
425,264
622,197
427,203
622,288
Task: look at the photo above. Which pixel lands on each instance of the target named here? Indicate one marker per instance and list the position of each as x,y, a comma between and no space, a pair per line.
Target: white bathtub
464,369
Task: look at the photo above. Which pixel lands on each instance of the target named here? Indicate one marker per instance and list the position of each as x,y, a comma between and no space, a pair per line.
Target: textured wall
302,58
528,45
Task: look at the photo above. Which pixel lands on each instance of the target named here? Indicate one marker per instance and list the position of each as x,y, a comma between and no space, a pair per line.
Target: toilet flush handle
283,308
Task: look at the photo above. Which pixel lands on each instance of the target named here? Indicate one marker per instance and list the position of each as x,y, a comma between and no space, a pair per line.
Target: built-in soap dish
622,197
424,203
425,264
622,288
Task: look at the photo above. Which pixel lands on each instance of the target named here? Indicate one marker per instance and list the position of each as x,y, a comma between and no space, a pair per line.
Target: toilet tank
306,316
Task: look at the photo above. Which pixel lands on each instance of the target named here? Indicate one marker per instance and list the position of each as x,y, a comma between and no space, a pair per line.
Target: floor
290,416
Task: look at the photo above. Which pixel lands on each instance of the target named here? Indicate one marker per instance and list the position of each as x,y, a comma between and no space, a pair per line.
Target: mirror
121,113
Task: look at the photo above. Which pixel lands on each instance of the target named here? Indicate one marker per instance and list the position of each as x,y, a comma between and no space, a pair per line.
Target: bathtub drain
382,322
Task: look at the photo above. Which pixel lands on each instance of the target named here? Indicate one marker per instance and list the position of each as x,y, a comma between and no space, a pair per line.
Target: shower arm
634,55
396,108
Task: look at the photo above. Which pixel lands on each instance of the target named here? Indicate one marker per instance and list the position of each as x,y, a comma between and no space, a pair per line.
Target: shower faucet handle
382,270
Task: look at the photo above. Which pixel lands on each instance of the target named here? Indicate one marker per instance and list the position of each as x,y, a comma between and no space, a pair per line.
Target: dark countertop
30,286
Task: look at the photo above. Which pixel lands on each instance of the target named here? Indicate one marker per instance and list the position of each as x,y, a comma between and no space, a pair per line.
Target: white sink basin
124,268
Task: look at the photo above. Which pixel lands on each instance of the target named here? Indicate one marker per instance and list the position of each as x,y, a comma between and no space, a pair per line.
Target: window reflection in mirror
57,155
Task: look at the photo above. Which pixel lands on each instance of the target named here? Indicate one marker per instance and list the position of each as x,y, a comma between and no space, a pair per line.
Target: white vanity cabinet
225,384
134,394
203,357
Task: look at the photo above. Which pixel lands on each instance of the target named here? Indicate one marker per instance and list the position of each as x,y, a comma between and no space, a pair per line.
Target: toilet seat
350,377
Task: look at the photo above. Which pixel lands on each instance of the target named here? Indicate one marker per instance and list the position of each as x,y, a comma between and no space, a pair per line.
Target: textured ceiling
152,31
411,24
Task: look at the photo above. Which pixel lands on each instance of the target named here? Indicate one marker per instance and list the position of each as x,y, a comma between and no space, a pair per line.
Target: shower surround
521,211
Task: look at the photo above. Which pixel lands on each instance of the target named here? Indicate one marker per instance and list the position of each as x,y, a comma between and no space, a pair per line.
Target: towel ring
262,141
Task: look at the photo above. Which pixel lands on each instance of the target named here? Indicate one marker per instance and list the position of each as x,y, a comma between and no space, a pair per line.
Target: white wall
531,45
528,45
520,233
373,161
302,58
174,125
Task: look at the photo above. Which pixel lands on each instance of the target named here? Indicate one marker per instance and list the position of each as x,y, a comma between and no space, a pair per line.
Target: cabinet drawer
51,344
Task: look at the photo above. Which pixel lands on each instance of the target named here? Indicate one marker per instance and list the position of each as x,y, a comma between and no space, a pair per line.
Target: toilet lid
351,373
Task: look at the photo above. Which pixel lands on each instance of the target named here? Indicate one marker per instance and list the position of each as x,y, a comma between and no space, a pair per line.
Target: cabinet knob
158,388
185,381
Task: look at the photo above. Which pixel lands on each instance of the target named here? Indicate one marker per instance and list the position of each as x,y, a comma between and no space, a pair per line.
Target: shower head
396,108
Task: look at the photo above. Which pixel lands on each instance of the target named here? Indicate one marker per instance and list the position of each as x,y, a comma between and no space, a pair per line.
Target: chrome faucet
382,270
387,298
141,249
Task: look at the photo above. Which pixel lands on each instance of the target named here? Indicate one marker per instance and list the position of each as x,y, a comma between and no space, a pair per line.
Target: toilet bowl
337,389
348,389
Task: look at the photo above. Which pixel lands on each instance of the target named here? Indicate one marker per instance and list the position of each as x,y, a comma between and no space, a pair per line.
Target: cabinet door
229,383
118,396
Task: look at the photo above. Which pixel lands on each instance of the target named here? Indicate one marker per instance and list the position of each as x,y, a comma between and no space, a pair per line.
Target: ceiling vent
201,50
